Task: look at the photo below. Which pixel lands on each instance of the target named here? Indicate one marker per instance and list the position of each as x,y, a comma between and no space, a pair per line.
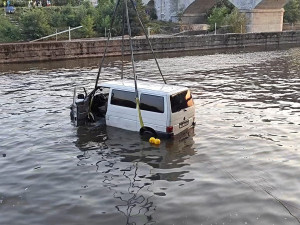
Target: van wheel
148,132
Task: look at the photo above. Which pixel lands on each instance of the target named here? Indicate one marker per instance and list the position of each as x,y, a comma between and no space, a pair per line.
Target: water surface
241,164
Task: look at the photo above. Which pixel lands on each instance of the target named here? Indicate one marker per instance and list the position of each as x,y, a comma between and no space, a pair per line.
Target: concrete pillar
262,15
162,9
264,20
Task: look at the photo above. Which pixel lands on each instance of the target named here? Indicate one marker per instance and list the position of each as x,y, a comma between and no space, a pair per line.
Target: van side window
123,98
152,103
181,101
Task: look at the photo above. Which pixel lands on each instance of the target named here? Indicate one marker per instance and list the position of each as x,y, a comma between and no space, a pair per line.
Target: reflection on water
239,165
131,148
126,165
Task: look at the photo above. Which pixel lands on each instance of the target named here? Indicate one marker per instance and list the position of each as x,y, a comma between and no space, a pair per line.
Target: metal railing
62,32
291,26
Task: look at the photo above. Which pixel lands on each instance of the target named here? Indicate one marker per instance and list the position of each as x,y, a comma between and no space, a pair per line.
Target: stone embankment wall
46,51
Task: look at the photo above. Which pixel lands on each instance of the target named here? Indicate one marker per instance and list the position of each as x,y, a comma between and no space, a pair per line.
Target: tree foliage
134,22
225,14
217,17
225,3
35,24
66,2
151,10
105,11
236,21
292,11
72,16
8,31
88,26
16,3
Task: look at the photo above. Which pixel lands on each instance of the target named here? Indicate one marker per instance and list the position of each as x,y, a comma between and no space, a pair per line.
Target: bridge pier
193,18
262,15
264,20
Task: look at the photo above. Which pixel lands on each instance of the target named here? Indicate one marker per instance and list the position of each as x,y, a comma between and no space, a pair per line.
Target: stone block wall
47,51
260,20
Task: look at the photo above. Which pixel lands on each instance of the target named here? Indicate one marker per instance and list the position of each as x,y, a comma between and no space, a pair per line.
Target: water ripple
239,166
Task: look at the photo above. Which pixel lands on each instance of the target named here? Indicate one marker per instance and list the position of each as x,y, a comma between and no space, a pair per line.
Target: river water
241,164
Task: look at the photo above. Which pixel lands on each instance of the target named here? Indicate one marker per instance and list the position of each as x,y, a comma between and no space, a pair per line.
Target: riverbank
88,48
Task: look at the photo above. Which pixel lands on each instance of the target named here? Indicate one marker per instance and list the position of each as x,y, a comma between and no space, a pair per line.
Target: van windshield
181,101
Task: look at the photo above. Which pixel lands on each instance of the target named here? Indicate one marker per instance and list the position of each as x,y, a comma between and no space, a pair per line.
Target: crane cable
107,42
148,40
90,114
133,67
125,11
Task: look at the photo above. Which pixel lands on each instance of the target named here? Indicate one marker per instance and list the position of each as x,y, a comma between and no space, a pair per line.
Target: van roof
144,85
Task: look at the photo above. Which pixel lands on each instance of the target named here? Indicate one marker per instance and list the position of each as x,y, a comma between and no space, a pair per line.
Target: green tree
151,10
56,17
226,3
292,11
217,17
88,26
66,2
90,9
136,29
17,3
72,16
8,31
103,16
236,21
35,24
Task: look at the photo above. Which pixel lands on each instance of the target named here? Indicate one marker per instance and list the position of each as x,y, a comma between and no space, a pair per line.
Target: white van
167,109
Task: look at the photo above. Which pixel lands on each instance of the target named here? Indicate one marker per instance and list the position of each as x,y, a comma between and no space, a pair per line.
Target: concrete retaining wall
45,51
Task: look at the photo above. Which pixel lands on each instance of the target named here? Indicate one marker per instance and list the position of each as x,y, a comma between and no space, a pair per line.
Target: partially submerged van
168,109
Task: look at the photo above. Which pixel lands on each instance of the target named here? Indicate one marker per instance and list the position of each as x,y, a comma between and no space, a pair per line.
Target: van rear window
123,98
181,101
152,103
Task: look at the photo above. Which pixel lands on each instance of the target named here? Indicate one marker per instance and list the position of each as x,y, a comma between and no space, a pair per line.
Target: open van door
182,112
